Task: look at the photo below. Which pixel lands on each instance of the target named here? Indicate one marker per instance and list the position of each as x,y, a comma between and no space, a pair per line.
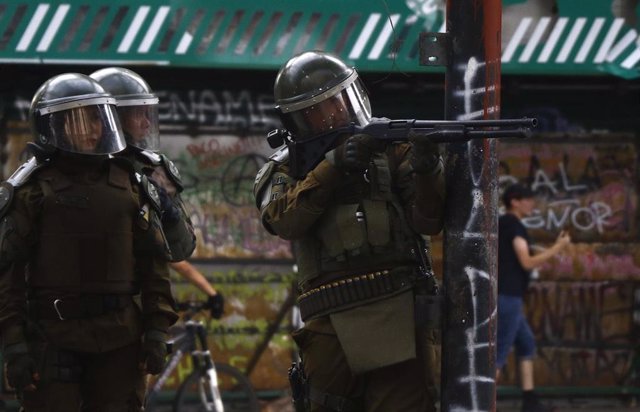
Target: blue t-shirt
513,279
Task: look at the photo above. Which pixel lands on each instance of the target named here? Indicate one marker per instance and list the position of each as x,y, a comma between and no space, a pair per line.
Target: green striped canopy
576,37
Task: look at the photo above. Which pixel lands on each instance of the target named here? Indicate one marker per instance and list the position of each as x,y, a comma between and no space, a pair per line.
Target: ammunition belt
341,294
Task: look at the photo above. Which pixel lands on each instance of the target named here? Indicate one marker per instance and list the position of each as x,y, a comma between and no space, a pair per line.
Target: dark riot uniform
80,238
78,243
371,333
176,223
358,343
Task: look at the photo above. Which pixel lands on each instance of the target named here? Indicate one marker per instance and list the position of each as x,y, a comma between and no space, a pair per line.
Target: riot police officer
356,220
138,112
80,237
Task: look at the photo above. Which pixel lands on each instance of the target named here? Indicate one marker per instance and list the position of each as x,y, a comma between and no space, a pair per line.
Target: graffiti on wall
583,331
222,111
219,174
217,140
587,187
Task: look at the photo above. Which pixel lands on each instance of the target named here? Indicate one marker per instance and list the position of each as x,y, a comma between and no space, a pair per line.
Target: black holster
428,311
428,318
428,304
299,387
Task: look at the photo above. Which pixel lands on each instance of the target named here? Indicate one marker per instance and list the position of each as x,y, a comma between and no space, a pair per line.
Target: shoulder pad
262,178
149,190
172,171
6,196
281,155
153,157
22,173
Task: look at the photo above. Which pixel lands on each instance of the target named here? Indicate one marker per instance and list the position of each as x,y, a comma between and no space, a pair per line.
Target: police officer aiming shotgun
358,201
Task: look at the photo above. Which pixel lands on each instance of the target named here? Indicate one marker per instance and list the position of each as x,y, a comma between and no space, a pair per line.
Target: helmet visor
348,105
90,129
141,126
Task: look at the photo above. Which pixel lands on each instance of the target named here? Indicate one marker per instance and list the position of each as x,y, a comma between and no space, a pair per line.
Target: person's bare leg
526,374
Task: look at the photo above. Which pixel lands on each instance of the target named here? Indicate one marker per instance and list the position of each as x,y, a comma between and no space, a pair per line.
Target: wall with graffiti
584,306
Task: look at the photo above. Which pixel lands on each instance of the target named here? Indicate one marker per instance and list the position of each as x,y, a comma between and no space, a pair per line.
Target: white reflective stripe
153,29
137,102
608,40
625,42
77,103
515,39
53,28
125,45
552,40
364,37
534,39
631,61
292,107
184,44
571,40
33,26
384,37
590,40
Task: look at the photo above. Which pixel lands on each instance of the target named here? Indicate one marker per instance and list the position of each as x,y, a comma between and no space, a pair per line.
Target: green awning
574,37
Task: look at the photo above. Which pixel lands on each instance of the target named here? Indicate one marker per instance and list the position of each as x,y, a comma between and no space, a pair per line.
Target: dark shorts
513,330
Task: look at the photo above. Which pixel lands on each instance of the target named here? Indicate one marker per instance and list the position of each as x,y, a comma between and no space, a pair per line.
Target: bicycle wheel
196,393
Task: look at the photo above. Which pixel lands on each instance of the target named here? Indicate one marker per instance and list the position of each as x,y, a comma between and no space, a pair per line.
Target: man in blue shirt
515,264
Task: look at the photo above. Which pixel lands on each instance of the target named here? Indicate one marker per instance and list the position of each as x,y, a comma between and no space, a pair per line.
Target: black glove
154,353
355,153
425,155
215,304
170,212
21,370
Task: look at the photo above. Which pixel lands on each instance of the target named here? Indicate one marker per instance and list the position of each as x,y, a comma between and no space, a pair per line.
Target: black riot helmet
73,113
316,92
137,105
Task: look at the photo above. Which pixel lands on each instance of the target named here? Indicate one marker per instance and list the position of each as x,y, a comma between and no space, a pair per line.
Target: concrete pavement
576,404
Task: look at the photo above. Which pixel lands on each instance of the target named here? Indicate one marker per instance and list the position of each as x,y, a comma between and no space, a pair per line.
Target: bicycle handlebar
191,306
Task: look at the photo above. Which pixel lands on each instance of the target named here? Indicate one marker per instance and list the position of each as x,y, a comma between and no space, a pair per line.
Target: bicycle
210,387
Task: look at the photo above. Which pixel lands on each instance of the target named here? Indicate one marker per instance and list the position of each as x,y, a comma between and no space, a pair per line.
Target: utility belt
341,294
79,307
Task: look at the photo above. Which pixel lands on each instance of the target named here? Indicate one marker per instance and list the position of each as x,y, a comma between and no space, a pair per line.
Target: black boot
531,403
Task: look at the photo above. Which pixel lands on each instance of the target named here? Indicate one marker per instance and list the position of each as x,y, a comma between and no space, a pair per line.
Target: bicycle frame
187,343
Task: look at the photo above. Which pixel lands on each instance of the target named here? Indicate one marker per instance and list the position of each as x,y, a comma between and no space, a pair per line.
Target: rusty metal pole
472,91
